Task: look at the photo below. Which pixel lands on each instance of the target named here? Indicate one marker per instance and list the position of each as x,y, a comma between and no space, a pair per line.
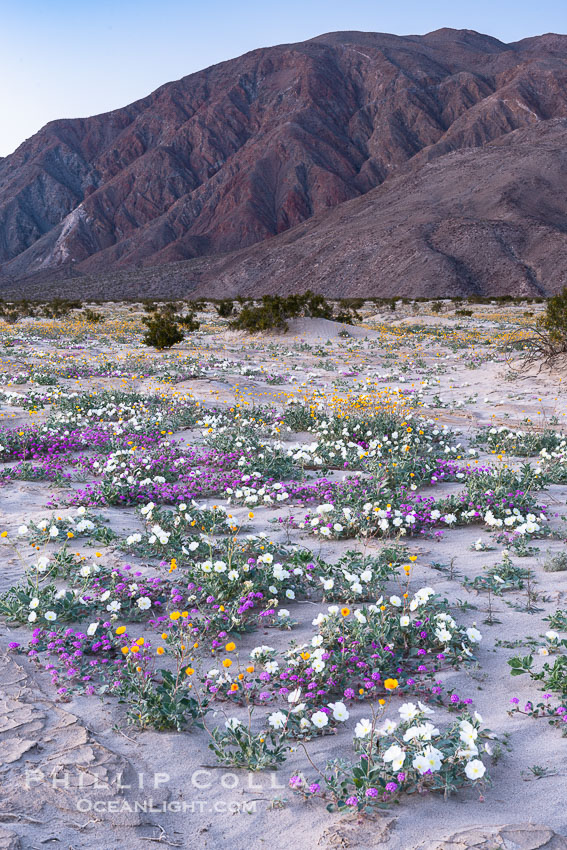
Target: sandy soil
85,739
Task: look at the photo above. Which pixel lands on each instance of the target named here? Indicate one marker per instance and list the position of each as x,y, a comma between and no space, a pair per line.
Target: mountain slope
489,221
233,155
246,149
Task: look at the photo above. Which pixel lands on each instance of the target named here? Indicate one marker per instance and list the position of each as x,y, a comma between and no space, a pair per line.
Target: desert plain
291,503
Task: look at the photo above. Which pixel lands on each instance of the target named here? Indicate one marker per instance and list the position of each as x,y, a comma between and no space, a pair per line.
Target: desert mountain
353,163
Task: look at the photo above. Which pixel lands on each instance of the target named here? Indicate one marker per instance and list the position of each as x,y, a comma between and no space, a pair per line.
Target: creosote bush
555,321
225,308
189,322
93,317
163,331
273,312
548,339
166,326
57,308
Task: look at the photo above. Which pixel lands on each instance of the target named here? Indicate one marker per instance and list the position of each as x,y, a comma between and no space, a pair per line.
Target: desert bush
351,303
163,331
93,317
270,314
57,308
547,338
15,310
273,312
555,321
318,307
11,317
189,322
225,308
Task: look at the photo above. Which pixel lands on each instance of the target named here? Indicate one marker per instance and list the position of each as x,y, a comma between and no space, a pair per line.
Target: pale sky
63,59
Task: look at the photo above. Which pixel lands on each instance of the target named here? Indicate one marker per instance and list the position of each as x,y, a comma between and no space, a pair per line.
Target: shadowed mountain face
444,155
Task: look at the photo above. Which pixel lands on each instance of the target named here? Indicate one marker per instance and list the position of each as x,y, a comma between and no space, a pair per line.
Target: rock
525,836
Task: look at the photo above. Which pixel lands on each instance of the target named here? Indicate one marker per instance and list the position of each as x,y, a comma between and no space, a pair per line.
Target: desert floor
62,753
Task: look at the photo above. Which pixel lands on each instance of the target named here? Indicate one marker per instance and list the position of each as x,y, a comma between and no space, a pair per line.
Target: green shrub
555,321
270,314
15,310
316,306
189,322
351,303
163,331
347,318
57,308
92,316
548,337
225,308
273,312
